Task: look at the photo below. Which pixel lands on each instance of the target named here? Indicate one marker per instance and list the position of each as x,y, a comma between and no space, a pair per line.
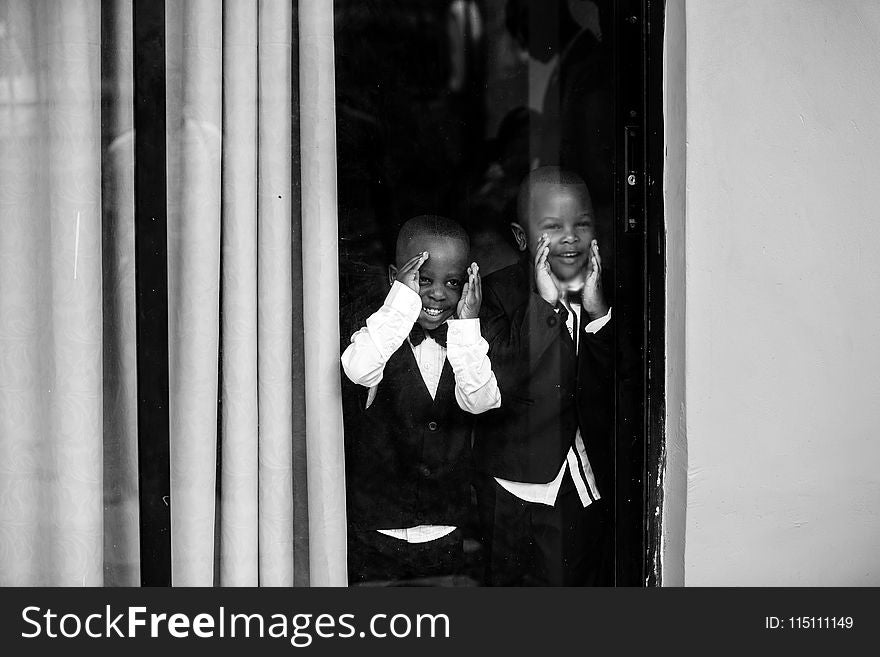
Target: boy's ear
519,234
392,275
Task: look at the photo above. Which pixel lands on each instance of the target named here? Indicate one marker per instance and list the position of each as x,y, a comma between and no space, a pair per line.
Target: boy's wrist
595,325
552,300
597,311
469,313
543,303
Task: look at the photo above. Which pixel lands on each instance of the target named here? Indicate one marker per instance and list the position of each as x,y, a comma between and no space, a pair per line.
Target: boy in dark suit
421,370
545,456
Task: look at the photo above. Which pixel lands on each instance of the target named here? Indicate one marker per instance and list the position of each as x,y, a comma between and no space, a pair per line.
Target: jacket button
425,470
551,321
432,426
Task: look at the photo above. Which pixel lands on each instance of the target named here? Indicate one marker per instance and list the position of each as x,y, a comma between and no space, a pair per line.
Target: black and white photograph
439,293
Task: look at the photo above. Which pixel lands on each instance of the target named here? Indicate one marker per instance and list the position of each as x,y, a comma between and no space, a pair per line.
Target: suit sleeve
518,337
596,363
597,342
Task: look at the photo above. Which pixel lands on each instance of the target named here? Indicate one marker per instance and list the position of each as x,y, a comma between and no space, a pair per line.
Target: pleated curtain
51,510
257,485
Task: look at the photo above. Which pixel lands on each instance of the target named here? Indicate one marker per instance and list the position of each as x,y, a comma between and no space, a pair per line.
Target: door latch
634,189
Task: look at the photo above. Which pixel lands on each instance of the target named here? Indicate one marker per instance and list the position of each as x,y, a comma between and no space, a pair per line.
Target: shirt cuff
404,300
463,332
596,324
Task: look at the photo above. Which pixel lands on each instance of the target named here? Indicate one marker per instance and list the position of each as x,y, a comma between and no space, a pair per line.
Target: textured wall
782,289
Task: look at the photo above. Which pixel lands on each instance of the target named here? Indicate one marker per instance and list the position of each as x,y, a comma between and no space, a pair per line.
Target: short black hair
548,175
430,225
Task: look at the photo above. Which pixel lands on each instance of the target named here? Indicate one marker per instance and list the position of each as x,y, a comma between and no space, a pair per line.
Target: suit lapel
568,338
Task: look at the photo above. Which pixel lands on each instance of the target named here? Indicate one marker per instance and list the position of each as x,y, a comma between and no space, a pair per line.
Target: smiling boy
422,367
545,455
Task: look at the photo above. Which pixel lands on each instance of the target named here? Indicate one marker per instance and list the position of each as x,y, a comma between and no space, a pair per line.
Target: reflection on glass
443,108
68,514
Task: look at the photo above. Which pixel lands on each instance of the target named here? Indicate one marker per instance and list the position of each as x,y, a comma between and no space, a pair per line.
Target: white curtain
253,387
321,292
51,434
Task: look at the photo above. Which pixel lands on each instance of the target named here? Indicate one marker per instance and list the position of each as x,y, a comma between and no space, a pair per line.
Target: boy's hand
593,298
471,295
409,273
545,281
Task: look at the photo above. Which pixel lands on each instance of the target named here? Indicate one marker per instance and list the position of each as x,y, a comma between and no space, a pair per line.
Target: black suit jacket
548,390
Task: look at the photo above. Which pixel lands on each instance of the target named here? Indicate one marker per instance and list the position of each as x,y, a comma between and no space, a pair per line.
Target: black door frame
639,295
655,307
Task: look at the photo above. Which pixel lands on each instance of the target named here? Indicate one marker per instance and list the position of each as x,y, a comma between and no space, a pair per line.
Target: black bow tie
574,296
419,333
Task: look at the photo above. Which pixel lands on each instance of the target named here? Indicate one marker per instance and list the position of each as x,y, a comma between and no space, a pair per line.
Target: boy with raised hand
422,370
545,456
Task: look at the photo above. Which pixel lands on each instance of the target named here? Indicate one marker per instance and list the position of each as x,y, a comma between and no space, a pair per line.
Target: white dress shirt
576,460
476,389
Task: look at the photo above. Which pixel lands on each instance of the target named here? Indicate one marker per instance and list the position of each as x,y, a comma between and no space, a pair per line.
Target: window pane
442,109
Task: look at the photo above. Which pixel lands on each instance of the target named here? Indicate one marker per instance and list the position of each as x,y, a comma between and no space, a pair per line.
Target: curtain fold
327,527
51,511
239,514
252,131
254,388
275,326
193,146
121,506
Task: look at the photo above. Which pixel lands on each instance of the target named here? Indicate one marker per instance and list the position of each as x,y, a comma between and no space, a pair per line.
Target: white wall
675,125
782,293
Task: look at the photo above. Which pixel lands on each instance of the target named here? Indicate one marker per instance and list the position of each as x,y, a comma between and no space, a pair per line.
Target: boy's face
565,214
441,276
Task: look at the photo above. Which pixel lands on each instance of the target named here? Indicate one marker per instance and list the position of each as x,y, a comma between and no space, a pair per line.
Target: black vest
408,457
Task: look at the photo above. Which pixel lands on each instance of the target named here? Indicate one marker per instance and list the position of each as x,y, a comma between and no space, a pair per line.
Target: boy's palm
471,295
409,273
545,281
593,298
